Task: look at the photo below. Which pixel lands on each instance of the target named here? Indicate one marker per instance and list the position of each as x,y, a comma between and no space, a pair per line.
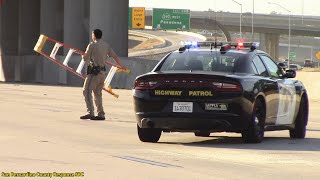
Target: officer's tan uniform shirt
98,52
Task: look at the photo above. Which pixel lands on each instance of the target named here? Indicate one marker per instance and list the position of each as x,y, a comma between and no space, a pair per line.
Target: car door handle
268,84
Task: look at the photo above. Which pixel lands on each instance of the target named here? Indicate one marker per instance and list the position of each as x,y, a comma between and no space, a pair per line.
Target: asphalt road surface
41,132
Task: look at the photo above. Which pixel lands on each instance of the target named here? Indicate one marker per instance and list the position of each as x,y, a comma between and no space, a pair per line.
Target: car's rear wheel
299,130
149,134
202,134
254,132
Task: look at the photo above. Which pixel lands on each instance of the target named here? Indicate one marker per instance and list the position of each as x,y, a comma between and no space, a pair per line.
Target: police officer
96,53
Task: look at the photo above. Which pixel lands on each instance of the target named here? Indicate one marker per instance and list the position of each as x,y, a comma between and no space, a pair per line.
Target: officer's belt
101,68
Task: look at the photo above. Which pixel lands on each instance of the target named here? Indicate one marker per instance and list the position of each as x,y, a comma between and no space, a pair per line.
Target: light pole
252,20
289,29
240,17
302,10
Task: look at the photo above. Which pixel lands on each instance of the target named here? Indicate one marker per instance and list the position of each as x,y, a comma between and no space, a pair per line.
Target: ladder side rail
62,65
67,46
38,48
74,72
82,52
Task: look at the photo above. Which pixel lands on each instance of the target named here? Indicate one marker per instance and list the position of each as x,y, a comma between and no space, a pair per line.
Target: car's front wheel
299,130
254,132
149,134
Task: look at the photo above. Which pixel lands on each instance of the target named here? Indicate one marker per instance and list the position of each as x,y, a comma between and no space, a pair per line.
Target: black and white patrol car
215,87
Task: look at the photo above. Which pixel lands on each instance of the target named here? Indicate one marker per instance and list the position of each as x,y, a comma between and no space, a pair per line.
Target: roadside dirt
311,70
137,43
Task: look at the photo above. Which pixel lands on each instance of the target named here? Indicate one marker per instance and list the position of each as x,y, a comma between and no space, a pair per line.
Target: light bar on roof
226,45
256,44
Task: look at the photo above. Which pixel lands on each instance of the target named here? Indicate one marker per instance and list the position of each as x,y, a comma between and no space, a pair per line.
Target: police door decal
287,101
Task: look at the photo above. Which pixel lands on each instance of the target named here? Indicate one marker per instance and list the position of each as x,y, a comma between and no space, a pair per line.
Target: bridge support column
272,45
9,39
111,17
19,27
76,30
262,40
70,21
52,26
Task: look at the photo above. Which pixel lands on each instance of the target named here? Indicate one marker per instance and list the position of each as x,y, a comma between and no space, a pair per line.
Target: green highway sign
292,55
174,19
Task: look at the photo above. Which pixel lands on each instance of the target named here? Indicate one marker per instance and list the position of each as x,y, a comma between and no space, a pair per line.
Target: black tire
202,134
300,124
149,134
254,132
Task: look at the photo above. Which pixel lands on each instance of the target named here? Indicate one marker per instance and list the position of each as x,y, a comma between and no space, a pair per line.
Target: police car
213,87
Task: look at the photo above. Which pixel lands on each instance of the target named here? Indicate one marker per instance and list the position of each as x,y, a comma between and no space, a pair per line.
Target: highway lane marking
145,161
52,110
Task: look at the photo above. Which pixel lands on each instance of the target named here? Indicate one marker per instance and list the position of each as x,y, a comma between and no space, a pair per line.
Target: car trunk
201,91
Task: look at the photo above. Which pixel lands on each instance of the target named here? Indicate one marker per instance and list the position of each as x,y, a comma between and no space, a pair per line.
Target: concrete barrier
120,80
38,69
137,66
19,68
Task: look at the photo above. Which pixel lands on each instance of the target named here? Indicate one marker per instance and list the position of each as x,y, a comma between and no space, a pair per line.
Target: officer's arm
88,52
115,57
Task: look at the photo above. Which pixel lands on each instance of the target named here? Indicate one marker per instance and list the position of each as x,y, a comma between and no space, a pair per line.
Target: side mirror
290,74
182,49
282,65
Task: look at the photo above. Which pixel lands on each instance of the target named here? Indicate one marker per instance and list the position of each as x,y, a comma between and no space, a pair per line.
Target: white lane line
145,161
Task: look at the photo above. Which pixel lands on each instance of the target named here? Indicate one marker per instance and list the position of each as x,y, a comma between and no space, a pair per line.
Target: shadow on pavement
269,143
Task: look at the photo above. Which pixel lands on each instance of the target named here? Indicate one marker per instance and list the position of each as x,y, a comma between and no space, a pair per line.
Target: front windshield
202,61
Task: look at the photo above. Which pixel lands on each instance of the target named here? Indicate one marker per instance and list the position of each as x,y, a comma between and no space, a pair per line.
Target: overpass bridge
263,23
269,26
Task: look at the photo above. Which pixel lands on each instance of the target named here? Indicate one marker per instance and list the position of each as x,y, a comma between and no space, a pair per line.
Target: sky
297,7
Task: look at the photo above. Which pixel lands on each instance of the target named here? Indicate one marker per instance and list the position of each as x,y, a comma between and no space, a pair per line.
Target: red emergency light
240,43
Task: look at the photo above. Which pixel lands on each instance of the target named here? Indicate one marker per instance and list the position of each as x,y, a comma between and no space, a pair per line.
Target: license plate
216,106
185,107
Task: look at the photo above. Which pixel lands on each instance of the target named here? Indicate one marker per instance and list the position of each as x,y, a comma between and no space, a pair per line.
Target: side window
260,66
254,69
273,68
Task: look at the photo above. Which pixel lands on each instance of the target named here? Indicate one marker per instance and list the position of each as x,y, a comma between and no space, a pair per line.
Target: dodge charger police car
219,87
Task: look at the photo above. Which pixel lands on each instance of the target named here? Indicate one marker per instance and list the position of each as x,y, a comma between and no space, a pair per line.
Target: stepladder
115,68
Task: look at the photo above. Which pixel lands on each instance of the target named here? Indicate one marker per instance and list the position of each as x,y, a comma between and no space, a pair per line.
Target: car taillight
226,86
144,84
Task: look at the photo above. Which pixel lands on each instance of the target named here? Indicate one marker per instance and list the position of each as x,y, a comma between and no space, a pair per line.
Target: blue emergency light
224,46
189,44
